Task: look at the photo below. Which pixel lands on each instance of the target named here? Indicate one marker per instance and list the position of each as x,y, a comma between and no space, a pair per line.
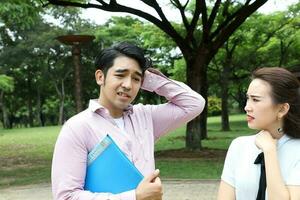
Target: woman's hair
285,88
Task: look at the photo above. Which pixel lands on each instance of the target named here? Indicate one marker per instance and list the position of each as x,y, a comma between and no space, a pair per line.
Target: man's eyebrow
139,73
121,70
126,70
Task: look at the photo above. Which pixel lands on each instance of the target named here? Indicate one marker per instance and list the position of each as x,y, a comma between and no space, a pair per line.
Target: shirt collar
283,140
280,142
95,106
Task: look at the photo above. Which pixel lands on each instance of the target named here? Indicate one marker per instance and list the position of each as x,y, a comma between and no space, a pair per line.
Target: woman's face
262,113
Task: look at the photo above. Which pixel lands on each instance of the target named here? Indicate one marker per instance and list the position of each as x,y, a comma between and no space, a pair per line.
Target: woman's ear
99,76
284,109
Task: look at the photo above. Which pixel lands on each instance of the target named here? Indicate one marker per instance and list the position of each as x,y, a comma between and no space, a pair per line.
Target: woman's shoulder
243,140
293,144
242,143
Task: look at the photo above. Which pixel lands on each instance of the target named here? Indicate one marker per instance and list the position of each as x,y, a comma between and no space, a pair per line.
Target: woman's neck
275,132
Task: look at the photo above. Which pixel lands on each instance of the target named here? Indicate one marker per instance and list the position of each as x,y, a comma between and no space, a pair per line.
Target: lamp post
75,41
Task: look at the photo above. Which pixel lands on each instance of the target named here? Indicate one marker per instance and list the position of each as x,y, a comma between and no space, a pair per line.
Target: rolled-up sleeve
183,104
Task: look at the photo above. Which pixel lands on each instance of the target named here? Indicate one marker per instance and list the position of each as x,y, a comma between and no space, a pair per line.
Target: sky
100,16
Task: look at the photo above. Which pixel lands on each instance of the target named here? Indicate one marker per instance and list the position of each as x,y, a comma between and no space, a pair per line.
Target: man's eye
119,75
255,100
137,79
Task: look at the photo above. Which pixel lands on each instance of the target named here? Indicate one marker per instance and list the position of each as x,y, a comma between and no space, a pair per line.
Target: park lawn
203,167
26,153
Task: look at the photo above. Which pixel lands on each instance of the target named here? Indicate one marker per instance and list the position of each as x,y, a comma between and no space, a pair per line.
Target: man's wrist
153,79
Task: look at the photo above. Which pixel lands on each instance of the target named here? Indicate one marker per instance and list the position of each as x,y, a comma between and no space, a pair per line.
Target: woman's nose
247,108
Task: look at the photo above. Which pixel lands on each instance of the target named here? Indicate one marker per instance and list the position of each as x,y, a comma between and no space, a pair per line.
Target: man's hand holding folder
150,188
110,171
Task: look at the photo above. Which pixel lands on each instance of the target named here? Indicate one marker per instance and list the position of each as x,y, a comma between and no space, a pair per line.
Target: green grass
189,169
203,167
217,139
26,153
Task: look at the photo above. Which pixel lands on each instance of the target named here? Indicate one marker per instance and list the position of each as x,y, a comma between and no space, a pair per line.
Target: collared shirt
143,124
120,123
242,174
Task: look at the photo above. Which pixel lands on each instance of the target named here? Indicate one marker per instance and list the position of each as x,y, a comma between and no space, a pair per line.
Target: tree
199,41
17,17
6,85
239,53
26,51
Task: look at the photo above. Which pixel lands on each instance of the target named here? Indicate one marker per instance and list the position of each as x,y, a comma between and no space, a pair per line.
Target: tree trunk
1,104
77,77
193,135
241,99
61,104
196,79
29,101
6,121
202,65
30,110
39,108
61,112
224,96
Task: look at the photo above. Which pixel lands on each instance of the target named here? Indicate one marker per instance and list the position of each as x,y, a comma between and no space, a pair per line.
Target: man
121,71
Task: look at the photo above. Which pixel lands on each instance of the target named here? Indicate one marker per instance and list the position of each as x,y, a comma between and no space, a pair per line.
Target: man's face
120,85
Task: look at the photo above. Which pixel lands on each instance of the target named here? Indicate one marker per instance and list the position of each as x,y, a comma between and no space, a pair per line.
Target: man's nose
127,83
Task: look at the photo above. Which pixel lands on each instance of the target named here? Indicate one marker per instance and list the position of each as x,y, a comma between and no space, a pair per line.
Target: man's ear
285,107
99,76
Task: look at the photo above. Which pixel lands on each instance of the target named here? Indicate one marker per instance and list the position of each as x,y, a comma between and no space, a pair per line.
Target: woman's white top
240,171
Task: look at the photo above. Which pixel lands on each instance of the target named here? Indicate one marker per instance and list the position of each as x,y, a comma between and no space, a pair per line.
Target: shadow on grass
24,175
205,153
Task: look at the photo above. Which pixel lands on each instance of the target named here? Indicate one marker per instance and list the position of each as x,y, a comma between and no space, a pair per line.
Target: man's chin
123,106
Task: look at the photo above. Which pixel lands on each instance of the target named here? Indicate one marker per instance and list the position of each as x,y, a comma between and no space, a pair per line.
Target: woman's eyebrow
253,96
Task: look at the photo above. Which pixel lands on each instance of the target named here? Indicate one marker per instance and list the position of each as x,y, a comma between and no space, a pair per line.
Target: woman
273,108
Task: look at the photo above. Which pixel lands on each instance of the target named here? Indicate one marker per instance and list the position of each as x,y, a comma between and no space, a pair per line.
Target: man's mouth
123,94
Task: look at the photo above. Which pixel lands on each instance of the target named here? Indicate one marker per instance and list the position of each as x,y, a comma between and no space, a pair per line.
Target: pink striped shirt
144,124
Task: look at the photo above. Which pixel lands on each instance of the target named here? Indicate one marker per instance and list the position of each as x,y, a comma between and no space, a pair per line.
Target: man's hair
105,59
285,88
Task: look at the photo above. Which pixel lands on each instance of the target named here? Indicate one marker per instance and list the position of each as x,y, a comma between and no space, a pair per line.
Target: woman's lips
250,118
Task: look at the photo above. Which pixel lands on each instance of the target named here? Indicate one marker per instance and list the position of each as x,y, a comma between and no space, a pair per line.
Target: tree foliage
6,83
211,44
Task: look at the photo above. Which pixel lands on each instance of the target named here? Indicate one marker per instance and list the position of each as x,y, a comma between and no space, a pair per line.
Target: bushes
214,106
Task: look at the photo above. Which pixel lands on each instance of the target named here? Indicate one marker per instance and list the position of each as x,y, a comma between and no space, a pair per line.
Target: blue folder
109,170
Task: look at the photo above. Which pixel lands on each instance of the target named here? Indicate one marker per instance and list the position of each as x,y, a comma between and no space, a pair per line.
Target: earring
280,130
